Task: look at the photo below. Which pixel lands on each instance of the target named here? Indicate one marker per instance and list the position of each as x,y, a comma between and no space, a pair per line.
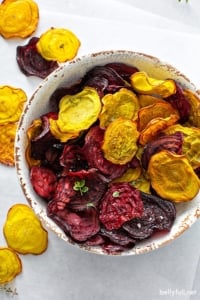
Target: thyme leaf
80,186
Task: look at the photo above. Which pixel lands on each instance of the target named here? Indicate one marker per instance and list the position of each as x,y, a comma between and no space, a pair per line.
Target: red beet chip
171,143
124,70
80,226
158,215
95,156
80,190
179,102
44,181
31,63
73,159
118,236
104,80
121,203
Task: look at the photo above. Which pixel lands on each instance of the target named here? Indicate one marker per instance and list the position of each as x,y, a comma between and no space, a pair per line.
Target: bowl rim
188,218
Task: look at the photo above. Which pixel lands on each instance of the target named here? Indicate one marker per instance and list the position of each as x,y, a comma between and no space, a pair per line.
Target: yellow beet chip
145,100
24,232
10,265
11,103
144,84
130,175
172,177
120,141
123,103
7,140
194,100
58,44
76,113
18,18
34,130
191,142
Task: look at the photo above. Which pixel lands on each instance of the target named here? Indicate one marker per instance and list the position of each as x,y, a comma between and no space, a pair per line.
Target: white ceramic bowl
67,74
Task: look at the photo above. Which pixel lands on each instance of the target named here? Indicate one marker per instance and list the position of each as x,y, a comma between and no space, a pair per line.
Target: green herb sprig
80,187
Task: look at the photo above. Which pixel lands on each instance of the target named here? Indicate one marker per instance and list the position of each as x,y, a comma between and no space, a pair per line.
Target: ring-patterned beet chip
158,215
79,225
121,203
31,63
172,142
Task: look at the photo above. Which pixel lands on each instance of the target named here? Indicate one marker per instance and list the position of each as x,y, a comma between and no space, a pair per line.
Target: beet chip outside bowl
63,206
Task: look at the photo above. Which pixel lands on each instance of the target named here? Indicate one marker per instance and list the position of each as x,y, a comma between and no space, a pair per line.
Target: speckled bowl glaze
67,74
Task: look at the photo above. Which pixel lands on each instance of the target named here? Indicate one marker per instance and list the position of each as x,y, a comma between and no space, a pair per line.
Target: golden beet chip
18,18
172,177
10,265
33,131
157,110
145,100
58,44
130,175
76,113
142,183
120,141
123,103
24,232
191,142
144,84
11,103
194,100
7,140
154,127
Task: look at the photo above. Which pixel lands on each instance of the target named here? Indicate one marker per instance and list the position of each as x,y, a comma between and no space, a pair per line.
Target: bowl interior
38,104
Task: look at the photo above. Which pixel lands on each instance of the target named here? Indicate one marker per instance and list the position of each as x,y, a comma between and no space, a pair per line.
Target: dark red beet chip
179,102
104,80
61,92
114,249
44,181
171,143
118,236
197,171
80,226
121,203
124,70
96,240
73,159
78,198
95,156
158,215
46,147
31,63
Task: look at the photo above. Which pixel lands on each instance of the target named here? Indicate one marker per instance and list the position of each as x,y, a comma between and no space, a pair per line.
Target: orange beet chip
18,18
154,127
10,265
24,232
157,110
194,101
34,129
7,139
58,44
172,177
11,103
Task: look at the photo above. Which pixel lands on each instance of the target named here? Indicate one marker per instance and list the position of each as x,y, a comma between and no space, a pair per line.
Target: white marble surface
164,28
